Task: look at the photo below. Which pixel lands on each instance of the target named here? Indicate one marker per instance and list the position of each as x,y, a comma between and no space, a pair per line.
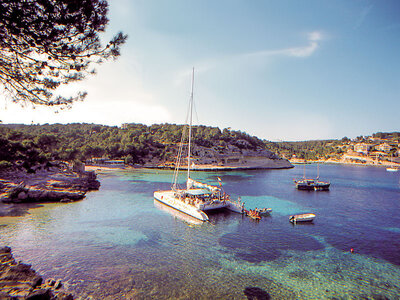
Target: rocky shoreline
20,281
20,190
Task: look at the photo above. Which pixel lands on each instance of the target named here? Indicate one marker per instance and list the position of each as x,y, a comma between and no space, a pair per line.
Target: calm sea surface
118,244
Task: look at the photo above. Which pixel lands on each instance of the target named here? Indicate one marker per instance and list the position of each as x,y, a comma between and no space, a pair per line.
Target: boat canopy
197,192
195,184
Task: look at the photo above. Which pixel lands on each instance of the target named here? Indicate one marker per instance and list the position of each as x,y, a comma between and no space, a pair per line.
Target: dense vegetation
308,150
387,135
32,144
25,154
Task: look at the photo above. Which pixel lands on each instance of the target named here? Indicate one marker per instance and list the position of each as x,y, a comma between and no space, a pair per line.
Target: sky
280,70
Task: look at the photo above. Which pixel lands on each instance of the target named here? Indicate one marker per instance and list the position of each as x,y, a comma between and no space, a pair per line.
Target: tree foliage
135,144
308,150
385,135
37,144
48,43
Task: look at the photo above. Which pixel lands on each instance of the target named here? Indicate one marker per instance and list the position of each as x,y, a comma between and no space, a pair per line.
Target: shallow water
119,244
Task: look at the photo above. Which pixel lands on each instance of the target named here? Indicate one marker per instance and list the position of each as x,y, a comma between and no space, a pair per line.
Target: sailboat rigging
197,197
311,184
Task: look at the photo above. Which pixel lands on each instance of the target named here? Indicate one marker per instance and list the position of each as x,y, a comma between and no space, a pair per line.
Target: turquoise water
119,244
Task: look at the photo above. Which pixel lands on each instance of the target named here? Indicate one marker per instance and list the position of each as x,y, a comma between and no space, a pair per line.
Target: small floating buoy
352,250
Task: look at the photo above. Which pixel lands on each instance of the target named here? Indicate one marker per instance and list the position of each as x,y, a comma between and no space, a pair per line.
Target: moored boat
197,197
264,211
310,184
254,214
181,201
302,218
178,214
392,167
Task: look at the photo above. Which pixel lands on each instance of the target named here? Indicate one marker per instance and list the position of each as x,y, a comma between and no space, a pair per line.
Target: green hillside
32,144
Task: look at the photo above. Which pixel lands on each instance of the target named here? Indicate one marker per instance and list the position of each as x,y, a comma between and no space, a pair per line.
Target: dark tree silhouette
47,43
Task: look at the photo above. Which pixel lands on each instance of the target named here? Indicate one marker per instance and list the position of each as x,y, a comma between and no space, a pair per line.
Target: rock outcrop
46,186
20,281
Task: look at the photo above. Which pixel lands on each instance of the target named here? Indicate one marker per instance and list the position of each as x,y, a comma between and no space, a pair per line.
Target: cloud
306,51
314,38
303,51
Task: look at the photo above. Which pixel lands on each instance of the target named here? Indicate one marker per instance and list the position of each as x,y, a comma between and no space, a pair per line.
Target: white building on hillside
385,147
362,148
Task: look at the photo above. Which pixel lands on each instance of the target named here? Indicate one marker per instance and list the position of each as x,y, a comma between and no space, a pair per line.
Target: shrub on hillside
5,165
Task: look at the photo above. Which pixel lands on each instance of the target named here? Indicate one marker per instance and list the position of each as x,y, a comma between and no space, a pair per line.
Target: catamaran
197,197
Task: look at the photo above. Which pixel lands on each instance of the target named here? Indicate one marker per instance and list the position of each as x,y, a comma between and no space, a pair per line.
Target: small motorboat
264,211
392,169
254,214
302,218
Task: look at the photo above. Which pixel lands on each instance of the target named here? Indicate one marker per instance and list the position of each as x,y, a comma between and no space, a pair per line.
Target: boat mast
190,127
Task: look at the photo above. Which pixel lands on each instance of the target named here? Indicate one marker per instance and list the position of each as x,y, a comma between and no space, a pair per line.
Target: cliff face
233,157
224,157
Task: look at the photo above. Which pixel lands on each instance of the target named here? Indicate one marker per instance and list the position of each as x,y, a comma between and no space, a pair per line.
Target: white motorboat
392,168
302,218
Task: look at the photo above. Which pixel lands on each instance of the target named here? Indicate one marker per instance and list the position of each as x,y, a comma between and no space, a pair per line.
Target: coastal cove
117,243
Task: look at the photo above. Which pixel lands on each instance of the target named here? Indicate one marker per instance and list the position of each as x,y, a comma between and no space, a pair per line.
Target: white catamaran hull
177,214
236,206
228,204
212,205
168,198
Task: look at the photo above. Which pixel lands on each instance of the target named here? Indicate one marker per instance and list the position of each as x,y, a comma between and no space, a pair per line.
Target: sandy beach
368,162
